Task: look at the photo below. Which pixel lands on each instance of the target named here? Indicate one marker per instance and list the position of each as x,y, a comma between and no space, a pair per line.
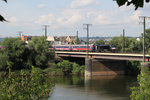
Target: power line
87,39
144,25
123,42
45,28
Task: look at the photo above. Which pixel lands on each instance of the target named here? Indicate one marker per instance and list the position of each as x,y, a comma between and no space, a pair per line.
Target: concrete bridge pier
94,67
108,67
88,67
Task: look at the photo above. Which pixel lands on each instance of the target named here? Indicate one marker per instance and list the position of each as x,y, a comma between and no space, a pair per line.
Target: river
97,88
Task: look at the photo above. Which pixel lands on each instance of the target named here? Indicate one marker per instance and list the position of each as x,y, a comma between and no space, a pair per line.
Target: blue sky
65,17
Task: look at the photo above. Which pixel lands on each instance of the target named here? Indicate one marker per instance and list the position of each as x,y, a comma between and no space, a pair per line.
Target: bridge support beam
88,67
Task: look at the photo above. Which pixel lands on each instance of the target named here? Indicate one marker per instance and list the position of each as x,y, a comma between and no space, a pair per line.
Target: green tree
17,53
136,3
66,67
133,45
147,39
3,61
117,41
77,69
40,54
100,42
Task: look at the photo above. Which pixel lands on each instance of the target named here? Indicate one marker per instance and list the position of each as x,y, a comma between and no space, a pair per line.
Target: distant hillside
96,38
101,38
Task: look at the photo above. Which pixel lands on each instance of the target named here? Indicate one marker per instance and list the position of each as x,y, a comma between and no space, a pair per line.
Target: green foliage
99,42
66,67
82,69
17,52
133,68
26,86
23,56
77,69
147,39
53,71
117,41
39,52
136,3
142,91
3,60
131,44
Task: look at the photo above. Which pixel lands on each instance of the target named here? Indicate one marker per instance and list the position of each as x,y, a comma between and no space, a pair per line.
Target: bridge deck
113,56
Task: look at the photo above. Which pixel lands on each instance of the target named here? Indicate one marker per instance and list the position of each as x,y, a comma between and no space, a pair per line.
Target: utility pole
77,40
144,26
123,42
77,34
87,39
45,28
20,33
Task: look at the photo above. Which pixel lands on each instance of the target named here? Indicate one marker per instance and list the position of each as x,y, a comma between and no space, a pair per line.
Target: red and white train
92,48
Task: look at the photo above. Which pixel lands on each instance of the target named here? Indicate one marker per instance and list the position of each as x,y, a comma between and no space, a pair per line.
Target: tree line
17,55
131,45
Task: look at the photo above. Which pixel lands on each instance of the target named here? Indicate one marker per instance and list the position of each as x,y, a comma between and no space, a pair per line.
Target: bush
26,86
133,68
77,69
142,91
3,61
66,67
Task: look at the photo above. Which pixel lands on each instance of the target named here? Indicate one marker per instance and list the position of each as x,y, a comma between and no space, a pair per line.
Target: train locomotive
91,48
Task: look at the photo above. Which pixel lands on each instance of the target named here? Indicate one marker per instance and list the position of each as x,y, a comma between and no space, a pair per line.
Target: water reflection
97,88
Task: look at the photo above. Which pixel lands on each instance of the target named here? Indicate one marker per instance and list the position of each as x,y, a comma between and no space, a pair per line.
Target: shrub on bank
66,67
53,71
133,67
142,90
70,68
26,86
77,69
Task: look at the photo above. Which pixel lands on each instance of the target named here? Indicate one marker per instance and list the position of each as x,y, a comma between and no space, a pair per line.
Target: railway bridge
103,63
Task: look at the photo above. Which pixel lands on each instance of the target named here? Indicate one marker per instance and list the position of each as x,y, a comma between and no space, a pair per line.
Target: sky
66,17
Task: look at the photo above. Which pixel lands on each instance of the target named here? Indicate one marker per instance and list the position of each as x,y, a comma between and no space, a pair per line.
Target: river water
97,88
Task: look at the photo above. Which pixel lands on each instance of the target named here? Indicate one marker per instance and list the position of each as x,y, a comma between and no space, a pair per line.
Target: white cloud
45,19
82,3
71,20
42,6
12,19
133,19
70,16
101,18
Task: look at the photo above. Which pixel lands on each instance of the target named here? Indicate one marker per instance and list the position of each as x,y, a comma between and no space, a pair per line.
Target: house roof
50,38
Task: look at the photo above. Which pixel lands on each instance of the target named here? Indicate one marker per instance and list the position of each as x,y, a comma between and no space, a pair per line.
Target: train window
62,47
75,46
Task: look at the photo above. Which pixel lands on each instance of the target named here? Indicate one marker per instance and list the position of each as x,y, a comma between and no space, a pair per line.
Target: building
27,38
